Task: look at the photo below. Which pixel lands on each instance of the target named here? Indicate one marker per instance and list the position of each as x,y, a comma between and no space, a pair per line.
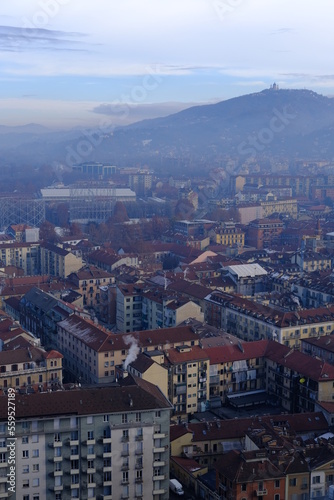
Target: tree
47,232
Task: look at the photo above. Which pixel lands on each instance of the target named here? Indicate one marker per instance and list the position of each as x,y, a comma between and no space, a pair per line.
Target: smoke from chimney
133,351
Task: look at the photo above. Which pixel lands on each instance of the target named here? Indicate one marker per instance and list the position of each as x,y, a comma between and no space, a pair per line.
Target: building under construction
17,209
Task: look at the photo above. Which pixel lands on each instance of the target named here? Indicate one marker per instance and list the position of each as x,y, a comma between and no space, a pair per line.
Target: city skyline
66,63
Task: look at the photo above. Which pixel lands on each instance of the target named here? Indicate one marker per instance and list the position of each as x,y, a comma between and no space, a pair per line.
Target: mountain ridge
287,123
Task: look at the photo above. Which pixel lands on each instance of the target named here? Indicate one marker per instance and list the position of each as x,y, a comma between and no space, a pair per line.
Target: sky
69,63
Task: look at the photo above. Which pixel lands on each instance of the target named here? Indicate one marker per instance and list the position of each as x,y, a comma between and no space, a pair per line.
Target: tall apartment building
188,378
22,255
56,261
100,443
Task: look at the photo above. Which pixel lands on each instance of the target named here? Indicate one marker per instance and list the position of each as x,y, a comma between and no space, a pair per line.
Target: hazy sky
74,62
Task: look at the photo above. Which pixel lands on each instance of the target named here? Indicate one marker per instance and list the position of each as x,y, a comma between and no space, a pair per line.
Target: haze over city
166,250
66,63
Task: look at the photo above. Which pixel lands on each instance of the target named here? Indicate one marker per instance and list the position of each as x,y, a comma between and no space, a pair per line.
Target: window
35,497
124,418
25,469
34,438
293,481
58,481
56,423
57,466
35,481
35,453
75,464
74,435
107,476
90,449
90,464
276,497
35,467
315,479
125,477
57,437
138,417
89,420
25,454
25,440
25,483
57,452
90,435
105,418
277,483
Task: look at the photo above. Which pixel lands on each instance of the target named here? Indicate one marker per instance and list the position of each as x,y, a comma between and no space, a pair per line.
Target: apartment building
21,255
242,474
288,206
207,441
27,367
188,378
140,308
235,369
249,279
129,307
309,261
314,290
229,234
250,320
106,442
163,309
90,281
297,380
320,347
56,261
40,312
262,233
91,353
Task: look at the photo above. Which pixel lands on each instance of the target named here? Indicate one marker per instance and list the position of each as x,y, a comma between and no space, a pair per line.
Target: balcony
162,477
261,493
125,467
125,439
107,454
106,440
139,437
161,491
159,435
159,463
161,449
55,444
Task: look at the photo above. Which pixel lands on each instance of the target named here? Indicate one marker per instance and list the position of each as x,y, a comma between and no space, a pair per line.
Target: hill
272,123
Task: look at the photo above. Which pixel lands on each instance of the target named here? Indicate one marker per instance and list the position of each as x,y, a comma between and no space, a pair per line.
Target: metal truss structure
21,210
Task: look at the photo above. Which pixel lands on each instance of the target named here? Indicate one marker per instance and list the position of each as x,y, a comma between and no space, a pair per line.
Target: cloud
17,39
126,113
